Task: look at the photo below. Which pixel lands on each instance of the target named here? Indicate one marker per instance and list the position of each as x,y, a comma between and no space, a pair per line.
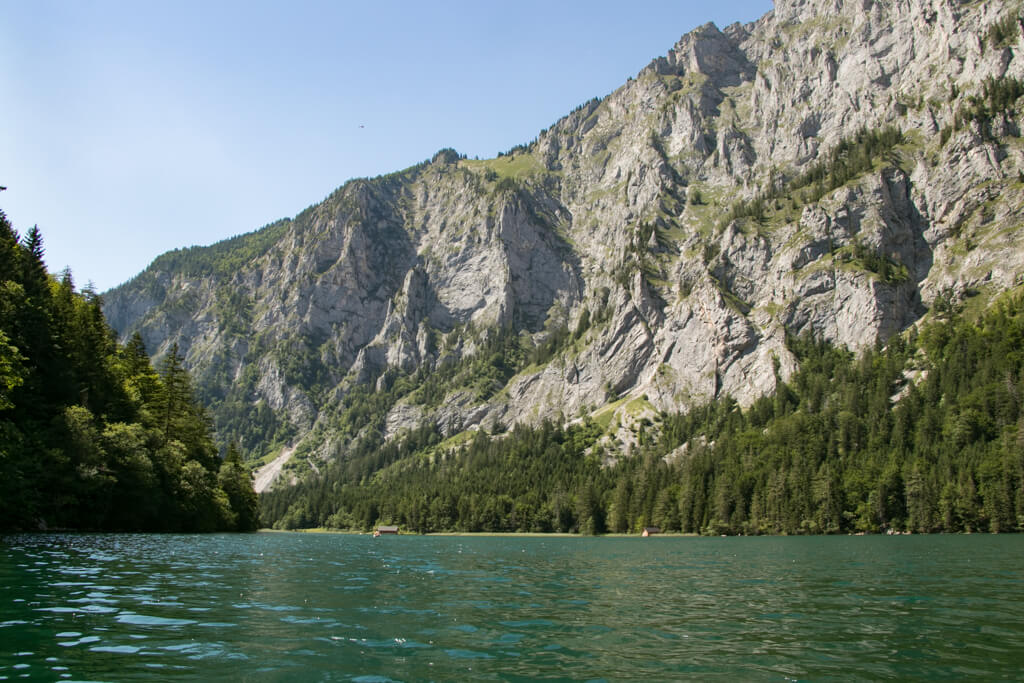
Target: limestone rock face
653,247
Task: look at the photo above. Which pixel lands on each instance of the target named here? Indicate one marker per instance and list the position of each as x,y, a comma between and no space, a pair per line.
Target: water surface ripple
327,607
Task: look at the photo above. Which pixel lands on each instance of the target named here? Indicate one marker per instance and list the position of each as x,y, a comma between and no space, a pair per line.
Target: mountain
839,169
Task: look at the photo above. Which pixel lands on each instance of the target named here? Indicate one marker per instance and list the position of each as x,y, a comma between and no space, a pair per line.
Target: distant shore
521,534
565,534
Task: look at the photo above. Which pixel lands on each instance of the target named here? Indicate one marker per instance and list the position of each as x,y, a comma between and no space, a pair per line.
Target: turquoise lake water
294,607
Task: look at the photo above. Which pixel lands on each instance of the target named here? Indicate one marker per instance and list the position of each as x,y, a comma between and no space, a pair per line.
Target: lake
301,606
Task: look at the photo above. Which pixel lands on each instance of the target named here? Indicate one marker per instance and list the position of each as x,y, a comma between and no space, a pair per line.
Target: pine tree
236,480
34,276
181,417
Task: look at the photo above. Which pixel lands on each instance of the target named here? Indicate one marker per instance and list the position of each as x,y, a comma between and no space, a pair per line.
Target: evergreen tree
236,481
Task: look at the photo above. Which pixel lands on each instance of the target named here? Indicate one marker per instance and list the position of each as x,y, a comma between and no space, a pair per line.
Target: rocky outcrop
616,249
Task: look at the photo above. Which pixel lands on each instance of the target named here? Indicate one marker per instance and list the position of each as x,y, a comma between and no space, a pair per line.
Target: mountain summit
838,168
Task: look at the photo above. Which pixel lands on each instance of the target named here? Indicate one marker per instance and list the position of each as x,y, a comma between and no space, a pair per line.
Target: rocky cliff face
834,168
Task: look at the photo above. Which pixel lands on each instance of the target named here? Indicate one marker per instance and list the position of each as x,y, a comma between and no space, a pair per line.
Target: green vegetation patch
1004,32
998,97
851,158
518,166
225,258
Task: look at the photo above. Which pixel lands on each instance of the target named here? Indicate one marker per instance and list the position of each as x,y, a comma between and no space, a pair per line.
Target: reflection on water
339,607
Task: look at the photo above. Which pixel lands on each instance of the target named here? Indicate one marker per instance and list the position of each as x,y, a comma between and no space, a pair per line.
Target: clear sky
130,128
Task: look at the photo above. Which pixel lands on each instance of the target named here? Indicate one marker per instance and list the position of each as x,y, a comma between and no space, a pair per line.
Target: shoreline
565,534
546,534
521,534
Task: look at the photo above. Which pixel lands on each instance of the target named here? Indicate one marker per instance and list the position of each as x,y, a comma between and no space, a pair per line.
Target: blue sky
131,128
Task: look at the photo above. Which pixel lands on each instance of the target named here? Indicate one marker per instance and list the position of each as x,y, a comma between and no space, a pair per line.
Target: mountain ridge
651,250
